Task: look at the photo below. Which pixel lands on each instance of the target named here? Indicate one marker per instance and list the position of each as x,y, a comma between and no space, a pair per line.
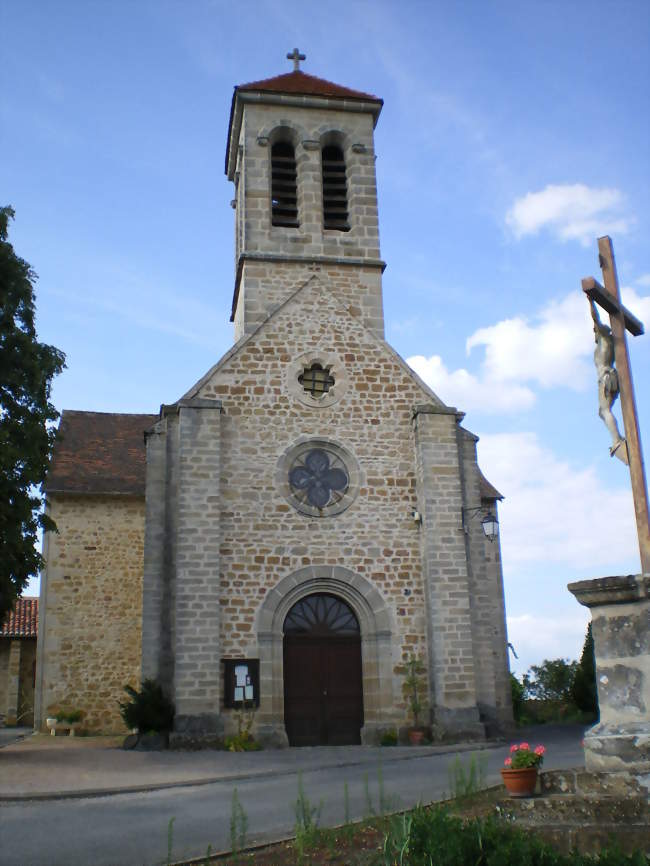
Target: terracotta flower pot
415,736
520,783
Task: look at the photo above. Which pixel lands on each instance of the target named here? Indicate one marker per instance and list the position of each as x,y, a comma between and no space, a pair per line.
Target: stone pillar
620,611
486,599
153,583
197,668
13,683
445,573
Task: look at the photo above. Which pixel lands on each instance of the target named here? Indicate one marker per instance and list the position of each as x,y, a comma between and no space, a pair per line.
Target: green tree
518,692
27,368
551,681
584,692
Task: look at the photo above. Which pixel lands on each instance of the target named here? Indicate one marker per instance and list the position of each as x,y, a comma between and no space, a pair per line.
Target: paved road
12,735
126,829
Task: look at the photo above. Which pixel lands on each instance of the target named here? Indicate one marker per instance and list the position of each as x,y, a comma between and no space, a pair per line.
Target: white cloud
551,350
463,389
637,304
643,280
570,212
554,512
536,637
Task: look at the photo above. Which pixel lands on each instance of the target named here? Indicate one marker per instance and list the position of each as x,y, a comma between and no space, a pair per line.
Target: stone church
306,517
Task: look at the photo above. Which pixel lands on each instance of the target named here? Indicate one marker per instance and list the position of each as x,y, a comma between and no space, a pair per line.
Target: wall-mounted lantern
489,522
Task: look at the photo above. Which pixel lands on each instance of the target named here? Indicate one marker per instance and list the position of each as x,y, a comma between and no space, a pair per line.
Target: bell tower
300,153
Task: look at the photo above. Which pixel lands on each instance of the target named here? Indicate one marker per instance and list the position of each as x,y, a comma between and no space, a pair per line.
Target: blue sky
513,134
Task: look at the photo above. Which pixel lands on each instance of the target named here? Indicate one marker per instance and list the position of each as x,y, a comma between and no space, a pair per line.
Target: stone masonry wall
26,681
13,682
308,129
452,664
92,599
266,285
258,242
197,646
263,539
486,601
5,652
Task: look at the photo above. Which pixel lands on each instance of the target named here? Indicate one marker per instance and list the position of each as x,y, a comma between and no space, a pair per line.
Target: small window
335,192
284,201
316,379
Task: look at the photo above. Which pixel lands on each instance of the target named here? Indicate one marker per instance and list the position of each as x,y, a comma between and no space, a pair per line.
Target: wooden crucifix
621,320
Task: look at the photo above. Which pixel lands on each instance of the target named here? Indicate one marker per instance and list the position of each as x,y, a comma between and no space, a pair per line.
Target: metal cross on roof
296,56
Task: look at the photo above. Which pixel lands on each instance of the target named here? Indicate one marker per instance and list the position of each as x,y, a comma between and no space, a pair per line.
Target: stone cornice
283,258
617,589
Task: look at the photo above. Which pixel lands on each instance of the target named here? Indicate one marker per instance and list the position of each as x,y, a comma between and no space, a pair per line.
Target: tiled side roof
487,490
301,83
99,452
23,619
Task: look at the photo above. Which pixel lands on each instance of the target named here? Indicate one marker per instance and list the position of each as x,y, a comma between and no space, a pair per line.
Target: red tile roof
301,83
99,452
23,619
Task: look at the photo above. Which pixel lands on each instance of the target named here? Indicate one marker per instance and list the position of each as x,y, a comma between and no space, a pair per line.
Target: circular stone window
318,477
317,379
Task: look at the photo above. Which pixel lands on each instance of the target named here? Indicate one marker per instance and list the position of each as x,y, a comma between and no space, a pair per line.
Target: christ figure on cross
607,379
611,347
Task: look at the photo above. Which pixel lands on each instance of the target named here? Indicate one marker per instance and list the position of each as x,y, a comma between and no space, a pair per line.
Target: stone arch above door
377,632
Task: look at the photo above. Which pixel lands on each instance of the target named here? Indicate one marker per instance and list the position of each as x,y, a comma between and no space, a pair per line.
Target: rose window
318,478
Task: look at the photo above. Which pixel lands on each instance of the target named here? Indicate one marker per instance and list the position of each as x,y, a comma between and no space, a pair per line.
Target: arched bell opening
323,689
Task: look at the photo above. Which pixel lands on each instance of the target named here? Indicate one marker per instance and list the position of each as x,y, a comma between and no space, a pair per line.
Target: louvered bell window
335,191
284,201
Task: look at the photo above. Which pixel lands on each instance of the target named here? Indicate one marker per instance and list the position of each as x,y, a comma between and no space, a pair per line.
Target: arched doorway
323,694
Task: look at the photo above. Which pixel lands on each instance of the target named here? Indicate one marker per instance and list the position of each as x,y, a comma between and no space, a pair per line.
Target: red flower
540,750
514,748
524,746
508,761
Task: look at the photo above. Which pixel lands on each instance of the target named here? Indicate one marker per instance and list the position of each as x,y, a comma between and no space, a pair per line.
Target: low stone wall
584,811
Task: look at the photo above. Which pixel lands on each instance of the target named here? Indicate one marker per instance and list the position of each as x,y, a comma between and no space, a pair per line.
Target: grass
465,831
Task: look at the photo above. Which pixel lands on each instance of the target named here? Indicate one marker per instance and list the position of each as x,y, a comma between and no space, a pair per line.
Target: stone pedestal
620,610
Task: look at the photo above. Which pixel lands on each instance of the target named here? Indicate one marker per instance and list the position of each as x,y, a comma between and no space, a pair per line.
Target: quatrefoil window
317,380
318,478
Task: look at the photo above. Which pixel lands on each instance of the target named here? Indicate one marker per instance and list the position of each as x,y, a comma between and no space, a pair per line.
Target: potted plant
521,767
414,688
69,719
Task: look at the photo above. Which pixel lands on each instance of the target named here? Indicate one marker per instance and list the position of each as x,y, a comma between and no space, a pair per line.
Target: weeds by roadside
307,819
238,824
467,778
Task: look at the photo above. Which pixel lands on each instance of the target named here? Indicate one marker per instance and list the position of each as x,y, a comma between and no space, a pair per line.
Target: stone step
577,810
579,781
593,839
585,811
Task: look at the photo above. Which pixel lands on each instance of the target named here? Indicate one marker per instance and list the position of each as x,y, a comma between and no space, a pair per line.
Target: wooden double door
323,695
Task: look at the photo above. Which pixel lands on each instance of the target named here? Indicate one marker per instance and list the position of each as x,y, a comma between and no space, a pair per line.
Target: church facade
307,517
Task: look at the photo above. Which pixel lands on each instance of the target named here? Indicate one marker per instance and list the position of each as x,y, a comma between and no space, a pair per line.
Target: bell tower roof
298,89
307,85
